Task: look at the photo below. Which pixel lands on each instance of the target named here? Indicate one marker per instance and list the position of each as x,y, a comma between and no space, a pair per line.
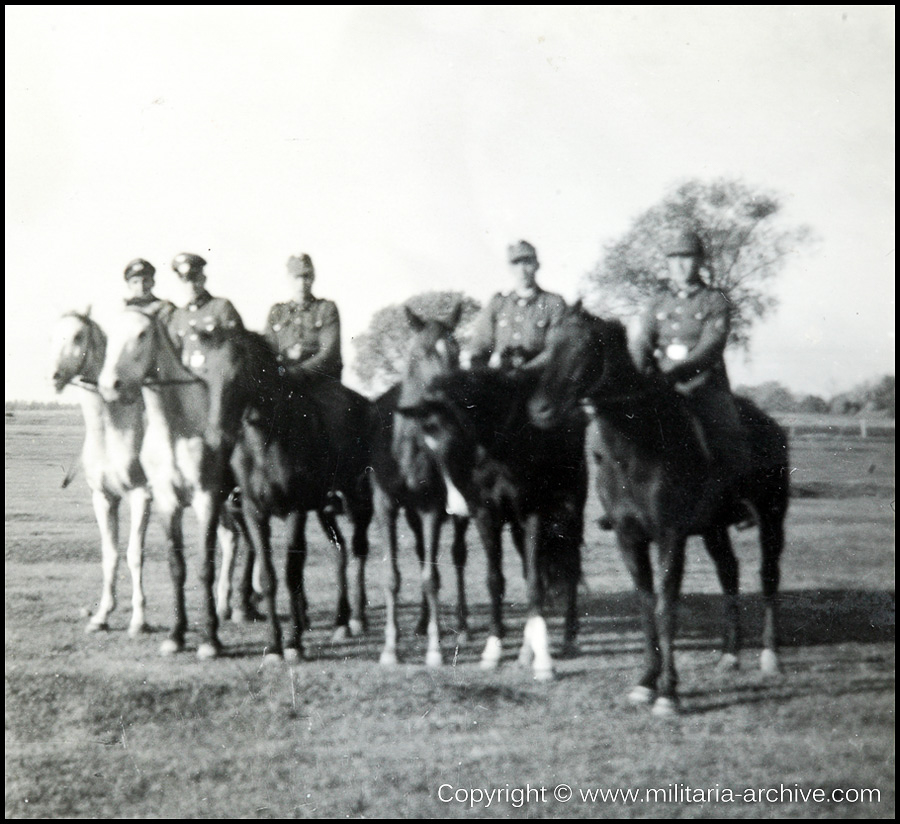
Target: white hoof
96,626
272,659
493,651
544,674
292,655
433,658
665,707
729,662
356,627
170,647
136,630
388,658
768,662
641,696
207,652
340,634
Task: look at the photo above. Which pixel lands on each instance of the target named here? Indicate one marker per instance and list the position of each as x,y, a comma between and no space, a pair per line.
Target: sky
404,147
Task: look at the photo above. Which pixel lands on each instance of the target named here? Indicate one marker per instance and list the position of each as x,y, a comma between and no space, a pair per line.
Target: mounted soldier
509,332
306,331
682,336
139,280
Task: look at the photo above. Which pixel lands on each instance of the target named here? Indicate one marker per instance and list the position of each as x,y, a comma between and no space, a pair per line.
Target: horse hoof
544,674
272,659
357,627
526,656
96,626
388,659
768,662
641,696
224,614
729,662
493,651
664,707
340,634
136,630
170,647
207,651
292,655
433,658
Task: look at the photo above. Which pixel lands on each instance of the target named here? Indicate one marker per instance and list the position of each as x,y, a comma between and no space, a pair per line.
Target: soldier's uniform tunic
512,328
153,305
683,334
201,322
307,335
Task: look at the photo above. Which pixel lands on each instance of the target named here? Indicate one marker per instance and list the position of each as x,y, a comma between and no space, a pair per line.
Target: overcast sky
404,147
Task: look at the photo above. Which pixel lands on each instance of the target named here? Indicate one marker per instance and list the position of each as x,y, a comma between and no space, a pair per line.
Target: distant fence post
862,427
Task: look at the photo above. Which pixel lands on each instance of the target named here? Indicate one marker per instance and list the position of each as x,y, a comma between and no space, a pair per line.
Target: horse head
78,350
433,351
136,341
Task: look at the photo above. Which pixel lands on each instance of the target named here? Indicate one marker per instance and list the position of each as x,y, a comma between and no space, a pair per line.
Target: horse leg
342,612
259,530
671,562
719,547
228,543
431,586
489,528
207,509
635,552
771,532
535,635
106,508
359,505
175,536
139,500
294,565
386,515
459,552
414,519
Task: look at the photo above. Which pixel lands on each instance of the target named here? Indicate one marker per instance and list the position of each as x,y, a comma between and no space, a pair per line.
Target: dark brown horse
512,472
652,475
302,439
408,477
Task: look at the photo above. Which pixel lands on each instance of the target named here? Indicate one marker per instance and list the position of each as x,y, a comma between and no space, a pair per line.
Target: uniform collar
306,303
200,301
688,290
143,300
527,296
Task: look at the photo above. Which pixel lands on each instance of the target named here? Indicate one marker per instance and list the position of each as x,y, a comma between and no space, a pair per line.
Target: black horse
408,477
653,475
510,471
301,440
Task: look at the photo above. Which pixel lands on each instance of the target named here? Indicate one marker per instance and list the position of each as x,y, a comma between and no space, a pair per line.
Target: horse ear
87,311
579,304
455,316
414,320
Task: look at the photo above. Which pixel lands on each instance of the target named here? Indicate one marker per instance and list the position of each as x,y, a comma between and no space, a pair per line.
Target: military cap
139,268
522,250
299,266
187,265
686,242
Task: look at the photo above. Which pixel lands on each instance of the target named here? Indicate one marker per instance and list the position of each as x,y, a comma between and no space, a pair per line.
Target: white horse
111,458
185,464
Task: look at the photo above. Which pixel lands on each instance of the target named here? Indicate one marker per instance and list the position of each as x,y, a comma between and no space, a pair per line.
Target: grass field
99,726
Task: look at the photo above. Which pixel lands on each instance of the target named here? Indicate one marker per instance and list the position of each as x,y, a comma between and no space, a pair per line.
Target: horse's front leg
536,645
256,521
671,572
719,547
386,516
106,508
432,522
771,532
228,542
140,500
342,611
489,528
172,520
459,551
294,567
207,507
361,511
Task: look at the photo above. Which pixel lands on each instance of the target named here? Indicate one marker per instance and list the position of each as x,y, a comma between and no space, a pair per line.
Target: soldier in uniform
683,336
510,331
204,318
306,331
139,279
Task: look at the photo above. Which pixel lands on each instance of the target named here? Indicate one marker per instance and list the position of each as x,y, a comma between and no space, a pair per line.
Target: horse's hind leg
719,547
259,530
361,510
342,610
671,562
106,508
175,537
431,586
386,516
140,500
228,544
489,528
459,552
772,539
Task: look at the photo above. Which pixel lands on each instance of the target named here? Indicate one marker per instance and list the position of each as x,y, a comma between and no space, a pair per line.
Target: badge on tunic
197,360
676,351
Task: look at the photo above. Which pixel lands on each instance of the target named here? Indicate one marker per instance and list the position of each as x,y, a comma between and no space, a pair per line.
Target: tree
746,248
381,350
